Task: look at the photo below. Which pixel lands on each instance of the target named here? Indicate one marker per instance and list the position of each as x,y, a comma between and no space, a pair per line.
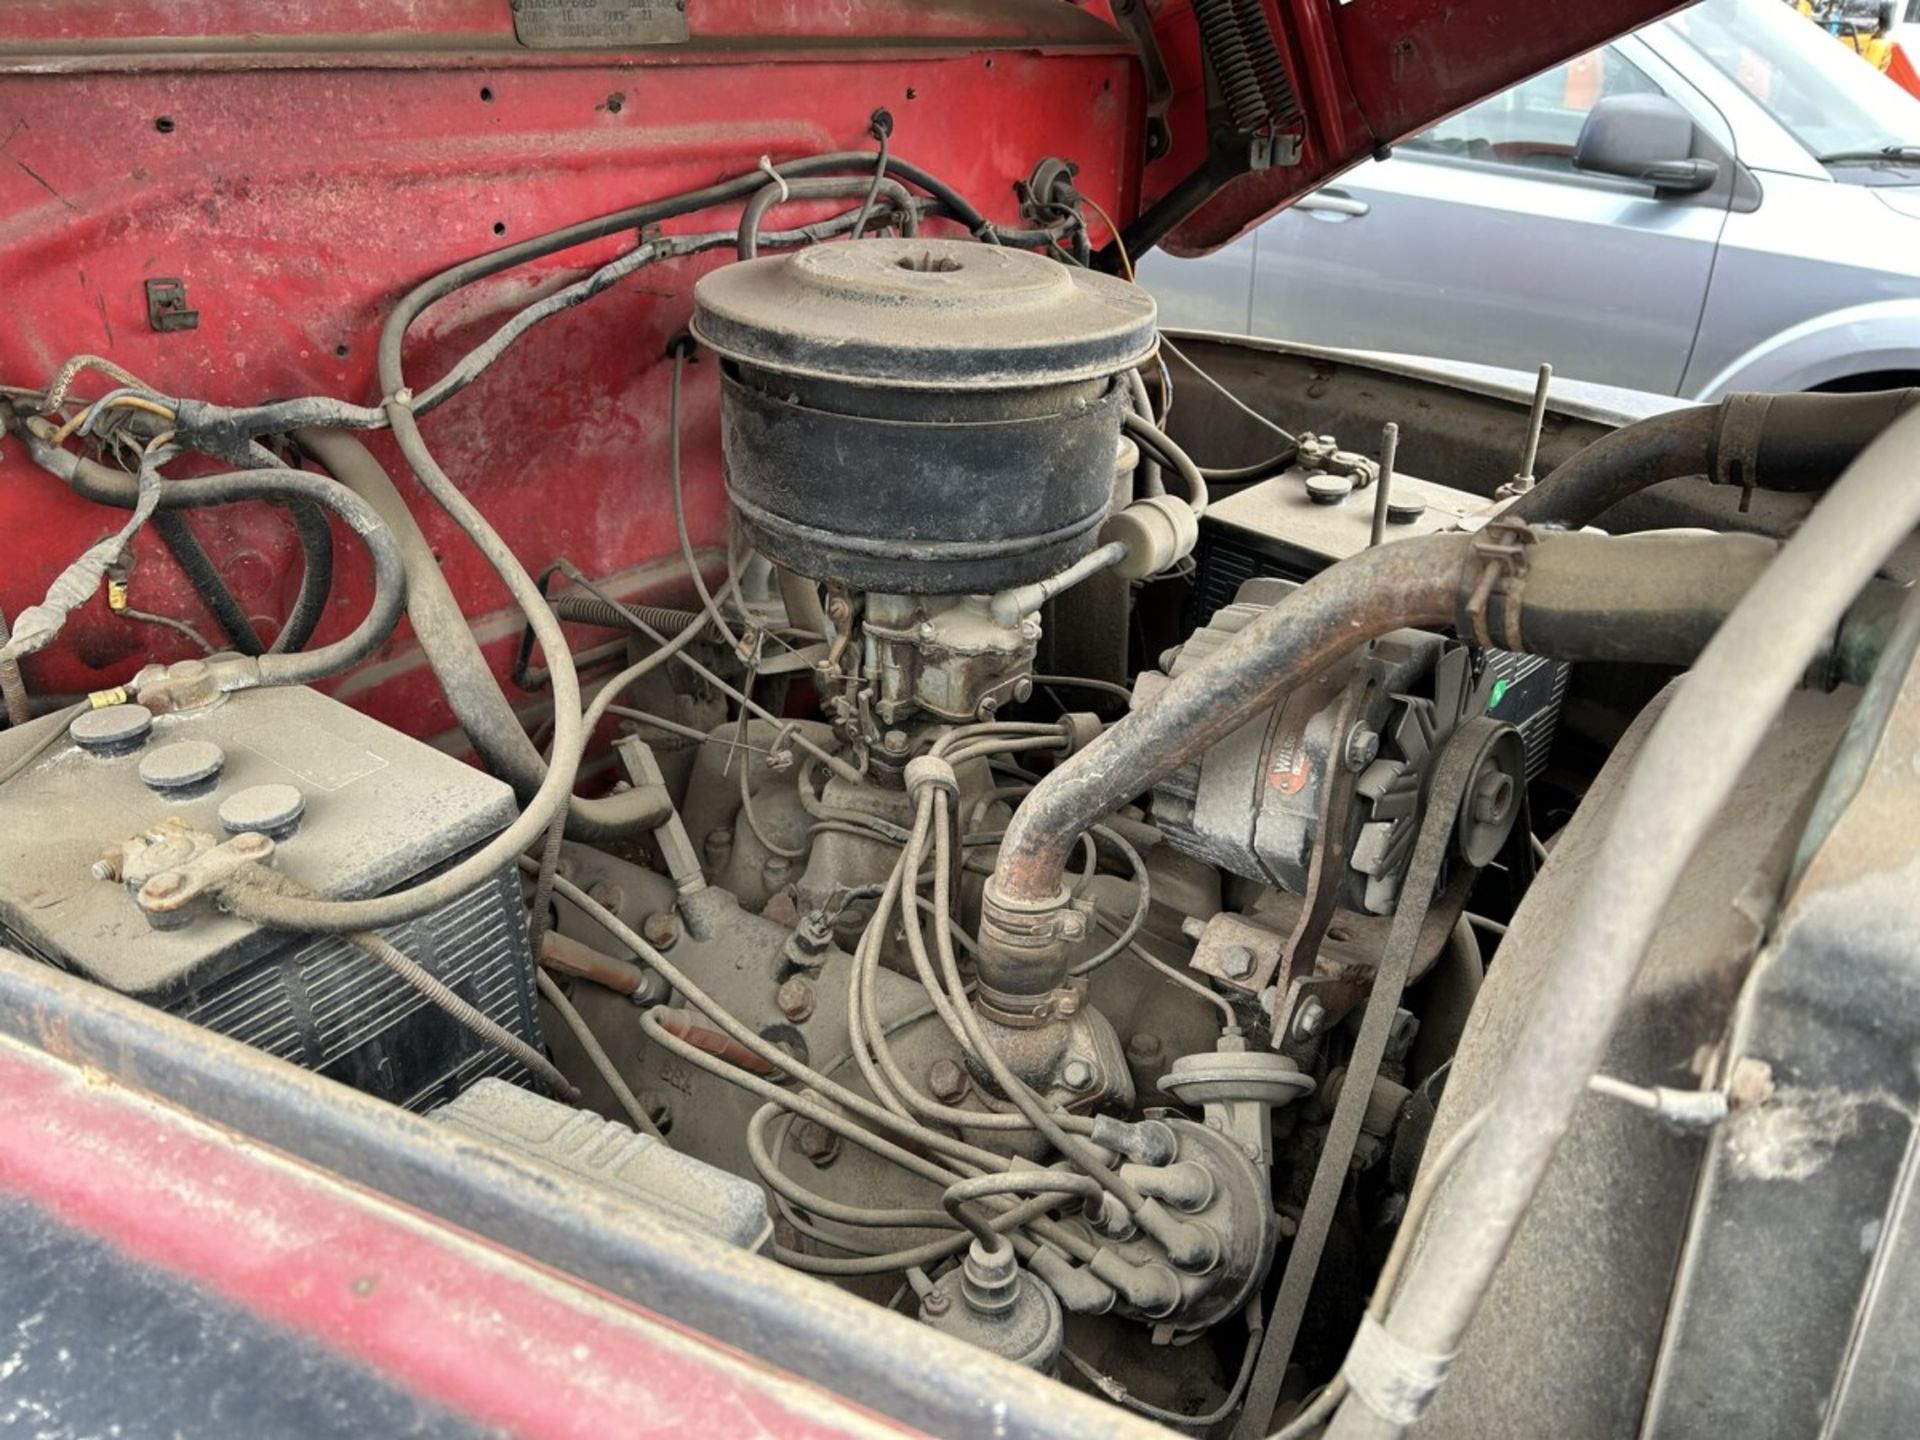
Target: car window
1535,125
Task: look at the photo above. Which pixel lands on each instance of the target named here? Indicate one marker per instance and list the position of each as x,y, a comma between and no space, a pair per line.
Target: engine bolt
1236,962
1363,746
661,929
1492,797
935,1302
796,998
1310,1018
609,895
166,883
928,630
894,742
947,1079
105,870
812,934
1077,1075
816,1142
775,871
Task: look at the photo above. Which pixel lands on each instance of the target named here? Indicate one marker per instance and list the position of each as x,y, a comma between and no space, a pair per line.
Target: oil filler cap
183,769
271,810
112,730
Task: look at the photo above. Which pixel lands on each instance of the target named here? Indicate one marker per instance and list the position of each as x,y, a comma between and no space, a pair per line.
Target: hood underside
1353,76
226,199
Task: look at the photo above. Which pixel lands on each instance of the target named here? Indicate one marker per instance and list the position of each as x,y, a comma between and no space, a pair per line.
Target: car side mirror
1648,138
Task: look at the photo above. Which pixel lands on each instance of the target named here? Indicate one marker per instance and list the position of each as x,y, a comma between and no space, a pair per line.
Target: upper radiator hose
1769,442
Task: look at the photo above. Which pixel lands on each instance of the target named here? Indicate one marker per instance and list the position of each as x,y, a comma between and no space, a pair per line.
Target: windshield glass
1831,100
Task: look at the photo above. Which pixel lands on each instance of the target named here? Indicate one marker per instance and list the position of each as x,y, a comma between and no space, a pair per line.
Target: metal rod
1011,606
1536,419
1383,487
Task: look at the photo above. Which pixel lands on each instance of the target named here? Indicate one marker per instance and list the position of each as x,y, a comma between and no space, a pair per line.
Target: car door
1479,240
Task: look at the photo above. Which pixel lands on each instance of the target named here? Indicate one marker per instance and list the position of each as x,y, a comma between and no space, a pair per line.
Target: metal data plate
599,24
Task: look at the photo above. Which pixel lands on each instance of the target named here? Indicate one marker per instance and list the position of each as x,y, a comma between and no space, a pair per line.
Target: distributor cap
924,314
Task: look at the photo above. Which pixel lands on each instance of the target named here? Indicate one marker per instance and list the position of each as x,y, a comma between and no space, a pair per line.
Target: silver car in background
1725,200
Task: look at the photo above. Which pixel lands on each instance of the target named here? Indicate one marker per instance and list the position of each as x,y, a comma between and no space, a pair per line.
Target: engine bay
1030,821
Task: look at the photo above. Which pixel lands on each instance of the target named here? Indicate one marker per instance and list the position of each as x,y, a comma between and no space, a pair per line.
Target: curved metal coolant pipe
1390,587
1658,598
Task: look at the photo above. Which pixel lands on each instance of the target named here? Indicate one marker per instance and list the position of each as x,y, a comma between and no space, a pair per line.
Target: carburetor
928,428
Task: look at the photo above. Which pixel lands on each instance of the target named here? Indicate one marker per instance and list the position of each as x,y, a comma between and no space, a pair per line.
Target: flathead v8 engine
1098,1020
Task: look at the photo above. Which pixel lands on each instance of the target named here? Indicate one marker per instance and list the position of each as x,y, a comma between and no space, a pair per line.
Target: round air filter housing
921,417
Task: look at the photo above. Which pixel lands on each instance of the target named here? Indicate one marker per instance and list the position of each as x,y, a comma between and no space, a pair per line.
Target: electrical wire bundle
985,1198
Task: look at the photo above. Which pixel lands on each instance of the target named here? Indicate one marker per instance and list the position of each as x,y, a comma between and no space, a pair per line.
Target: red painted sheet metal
298,203
457,1322
132,25
299,165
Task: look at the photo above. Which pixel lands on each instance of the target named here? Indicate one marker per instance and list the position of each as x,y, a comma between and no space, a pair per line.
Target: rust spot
55,1035
363,1285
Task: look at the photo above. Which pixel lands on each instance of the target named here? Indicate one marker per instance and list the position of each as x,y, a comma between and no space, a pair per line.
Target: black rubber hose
107,486
416,301
1153,440
389,570
454,655
1780,442
205,577
316,581
826,187
1656,599
316,578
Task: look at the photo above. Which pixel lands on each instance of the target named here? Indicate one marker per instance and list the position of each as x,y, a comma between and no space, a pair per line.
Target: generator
1295,524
